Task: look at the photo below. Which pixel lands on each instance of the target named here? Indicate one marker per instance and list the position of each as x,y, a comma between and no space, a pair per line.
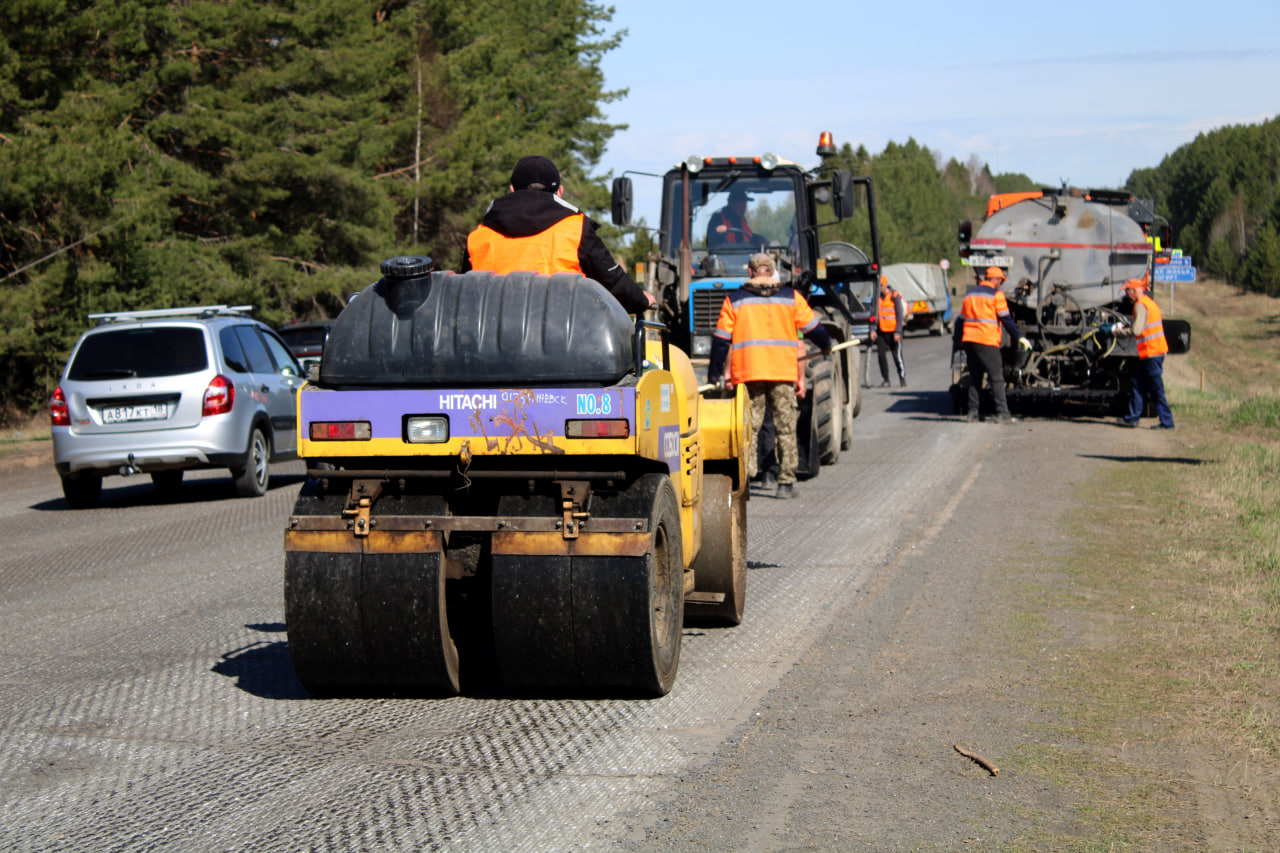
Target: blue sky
1082,92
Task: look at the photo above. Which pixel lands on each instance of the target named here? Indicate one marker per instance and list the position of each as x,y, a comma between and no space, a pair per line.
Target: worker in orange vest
1148,380
891,318
756,333
534,229
982,315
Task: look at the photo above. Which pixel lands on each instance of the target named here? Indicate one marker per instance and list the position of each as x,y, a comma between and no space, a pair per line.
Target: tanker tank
1067,254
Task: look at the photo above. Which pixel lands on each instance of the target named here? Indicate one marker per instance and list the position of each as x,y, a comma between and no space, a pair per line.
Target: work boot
786,491
1162,426
971,417
884,384
767,480
1128,424
1005,420
902,383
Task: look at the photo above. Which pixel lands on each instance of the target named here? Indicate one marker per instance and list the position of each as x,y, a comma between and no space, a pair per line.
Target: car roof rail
153,313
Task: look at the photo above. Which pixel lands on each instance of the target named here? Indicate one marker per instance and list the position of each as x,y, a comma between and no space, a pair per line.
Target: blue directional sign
1181,261
1175,272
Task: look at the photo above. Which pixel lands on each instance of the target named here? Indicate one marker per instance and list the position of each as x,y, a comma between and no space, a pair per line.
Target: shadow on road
141,492
1176,460
263,668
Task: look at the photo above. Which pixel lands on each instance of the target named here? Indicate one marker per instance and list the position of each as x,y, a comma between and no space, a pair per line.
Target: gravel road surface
147,700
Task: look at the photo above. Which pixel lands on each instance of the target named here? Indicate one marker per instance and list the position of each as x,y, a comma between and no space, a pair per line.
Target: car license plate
146,412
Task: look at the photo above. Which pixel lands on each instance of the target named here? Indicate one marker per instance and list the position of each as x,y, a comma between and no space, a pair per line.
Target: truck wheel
597,623
251,478
82,489
721,564
366,621
936,328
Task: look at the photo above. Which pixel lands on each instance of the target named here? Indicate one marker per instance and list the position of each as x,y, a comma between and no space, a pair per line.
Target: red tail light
219,397
58,413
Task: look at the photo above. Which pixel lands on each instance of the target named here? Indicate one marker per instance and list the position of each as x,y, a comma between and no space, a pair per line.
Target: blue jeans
1148,382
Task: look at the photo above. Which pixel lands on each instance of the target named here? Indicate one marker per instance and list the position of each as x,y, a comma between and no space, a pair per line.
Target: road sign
945,264
1175,272
1180,261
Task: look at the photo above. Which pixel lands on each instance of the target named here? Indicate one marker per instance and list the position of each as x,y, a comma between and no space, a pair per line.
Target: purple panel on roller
471,412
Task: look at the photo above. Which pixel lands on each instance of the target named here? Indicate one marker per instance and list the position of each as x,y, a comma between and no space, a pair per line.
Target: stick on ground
986,765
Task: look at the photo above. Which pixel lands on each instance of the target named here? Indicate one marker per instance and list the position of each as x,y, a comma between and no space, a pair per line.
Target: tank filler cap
406,266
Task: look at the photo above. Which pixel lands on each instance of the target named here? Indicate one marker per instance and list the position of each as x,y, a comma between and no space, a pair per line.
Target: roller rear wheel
721,564
595,623
362,621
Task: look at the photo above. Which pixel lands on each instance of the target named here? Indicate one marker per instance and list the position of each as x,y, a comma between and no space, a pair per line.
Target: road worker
891,319
533,229
1148,380
984,311
756,332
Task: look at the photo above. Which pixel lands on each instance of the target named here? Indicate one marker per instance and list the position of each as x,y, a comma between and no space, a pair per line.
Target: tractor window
740,215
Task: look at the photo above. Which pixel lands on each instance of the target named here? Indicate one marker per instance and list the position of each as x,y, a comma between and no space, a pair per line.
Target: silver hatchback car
160,392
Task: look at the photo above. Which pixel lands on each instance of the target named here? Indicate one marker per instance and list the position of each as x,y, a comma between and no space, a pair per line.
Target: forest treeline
157,154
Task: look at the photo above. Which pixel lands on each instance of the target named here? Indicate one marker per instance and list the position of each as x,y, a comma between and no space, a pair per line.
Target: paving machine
1067,254
508,474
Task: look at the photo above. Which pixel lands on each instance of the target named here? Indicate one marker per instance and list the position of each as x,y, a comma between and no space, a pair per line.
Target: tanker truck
507,476
1067,254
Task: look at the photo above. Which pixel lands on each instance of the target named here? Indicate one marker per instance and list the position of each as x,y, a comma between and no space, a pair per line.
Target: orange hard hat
884,279
995,273
1135,284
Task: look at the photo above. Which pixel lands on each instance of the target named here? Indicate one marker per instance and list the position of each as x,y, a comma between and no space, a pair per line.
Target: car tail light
597,429
59,415
219,397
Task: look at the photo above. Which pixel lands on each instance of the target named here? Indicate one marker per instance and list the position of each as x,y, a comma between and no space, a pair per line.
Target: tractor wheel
823,410
855,395
808,447
361,622
595,623
721,564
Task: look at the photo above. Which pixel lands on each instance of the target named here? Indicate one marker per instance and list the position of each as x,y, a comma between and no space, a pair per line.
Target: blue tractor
716,213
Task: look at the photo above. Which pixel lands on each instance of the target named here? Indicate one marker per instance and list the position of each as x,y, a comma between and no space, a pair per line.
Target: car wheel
251,477
82,489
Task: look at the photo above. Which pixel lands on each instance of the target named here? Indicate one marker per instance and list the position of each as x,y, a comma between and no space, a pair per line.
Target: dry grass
26,441
1169,716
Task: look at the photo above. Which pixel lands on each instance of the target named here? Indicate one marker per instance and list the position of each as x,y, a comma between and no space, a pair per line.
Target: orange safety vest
1150,337
982,309
887,319
762,331
742,234
551,250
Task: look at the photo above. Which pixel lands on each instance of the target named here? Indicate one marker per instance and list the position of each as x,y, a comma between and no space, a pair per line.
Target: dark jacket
528,212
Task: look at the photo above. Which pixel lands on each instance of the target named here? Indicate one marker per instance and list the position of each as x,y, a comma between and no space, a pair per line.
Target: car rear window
145,352
304,337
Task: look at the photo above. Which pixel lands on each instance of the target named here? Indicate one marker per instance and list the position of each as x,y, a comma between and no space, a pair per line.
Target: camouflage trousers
779,399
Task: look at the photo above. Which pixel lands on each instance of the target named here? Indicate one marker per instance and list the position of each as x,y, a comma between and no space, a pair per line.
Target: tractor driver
532,228
728,225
